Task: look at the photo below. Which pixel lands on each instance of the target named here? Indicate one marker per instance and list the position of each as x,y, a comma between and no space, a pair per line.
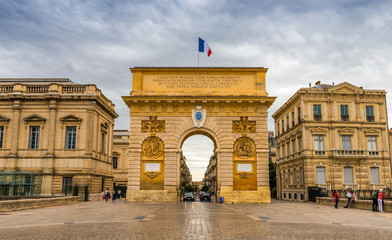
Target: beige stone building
272,146
333,137
209,179
120,162
54,135
228,105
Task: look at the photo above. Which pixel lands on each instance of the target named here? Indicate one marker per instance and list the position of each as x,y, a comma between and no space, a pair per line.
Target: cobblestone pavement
195,220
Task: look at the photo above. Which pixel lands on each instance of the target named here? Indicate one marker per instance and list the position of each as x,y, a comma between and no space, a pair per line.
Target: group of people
115,195
351,197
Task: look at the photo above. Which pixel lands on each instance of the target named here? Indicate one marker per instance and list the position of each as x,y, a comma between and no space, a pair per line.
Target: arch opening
198,165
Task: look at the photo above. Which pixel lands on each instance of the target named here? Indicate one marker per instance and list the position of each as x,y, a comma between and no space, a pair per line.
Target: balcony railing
377,186
327,186
37,89
345,118
74,89
374,153
351,186
349,153
317,117
370,118
319,152
6,89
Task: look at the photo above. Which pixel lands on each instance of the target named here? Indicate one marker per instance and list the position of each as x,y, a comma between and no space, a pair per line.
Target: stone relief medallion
152,147
244,147
244,175
199,116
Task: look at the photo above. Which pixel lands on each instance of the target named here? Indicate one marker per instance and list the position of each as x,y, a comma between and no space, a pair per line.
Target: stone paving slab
195,220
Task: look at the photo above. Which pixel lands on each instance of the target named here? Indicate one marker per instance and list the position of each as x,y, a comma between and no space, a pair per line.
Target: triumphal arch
228,105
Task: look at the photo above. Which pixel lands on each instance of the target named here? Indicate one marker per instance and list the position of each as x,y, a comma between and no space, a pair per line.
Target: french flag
204,48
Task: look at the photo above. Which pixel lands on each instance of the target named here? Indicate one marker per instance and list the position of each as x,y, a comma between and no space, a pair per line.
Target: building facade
54,135
332,137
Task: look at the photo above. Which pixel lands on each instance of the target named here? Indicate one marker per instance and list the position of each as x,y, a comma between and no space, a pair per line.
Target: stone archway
229,105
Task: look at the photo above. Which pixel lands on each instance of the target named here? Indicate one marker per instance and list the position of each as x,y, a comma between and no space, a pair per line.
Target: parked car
189,196
205,196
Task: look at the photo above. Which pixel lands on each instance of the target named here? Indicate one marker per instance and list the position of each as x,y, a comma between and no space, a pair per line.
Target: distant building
332,137
209,179
271,146
54,135
186,177
120,163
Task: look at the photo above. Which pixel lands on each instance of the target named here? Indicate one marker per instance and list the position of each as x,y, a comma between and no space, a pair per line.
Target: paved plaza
195,220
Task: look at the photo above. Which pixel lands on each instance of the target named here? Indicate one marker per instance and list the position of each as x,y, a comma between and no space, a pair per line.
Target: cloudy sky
299,41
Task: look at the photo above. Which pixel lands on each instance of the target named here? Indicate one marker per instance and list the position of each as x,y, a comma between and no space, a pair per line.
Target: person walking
114,195
107,194
374,198
353,198
348,195
335,198
119,193
379,199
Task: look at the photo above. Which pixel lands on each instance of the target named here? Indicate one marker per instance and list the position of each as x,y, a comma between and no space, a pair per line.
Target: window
70,137
369,114
102,142
284,178
67,184
278,129
346,142
344,112
374,175
318,142
320,175
317,112
295,177
282,125
292,119
290,177
301,171
287,122
115,159
348,175
299,114
34,137
1,136
372,145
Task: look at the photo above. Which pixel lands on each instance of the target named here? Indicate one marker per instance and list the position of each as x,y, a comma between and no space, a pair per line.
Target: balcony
374,154
319,152
349,153
351,186
370,118
345,118
318,117
327,186
377,186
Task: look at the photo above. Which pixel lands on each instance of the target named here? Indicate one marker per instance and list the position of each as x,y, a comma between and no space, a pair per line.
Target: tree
272,175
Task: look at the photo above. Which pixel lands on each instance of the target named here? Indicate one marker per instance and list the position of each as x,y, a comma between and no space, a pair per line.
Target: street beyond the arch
195,220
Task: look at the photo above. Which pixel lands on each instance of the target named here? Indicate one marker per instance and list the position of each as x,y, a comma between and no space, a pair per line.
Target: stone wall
13,205
360,204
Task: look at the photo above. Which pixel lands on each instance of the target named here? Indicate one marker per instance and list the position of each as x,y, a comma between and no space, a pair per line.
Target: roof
36,80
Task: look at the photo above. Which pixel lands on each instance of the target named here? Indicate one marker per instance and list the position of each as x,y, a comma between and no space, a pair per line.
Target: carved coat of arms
199,116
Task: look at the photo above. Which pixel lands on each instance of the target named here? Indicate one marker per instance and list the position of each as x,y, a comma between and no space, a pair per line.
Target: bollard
221,199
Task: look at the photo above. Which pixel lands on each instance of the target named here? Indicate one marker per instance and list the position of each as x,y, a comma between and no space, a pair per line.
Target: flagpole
198,63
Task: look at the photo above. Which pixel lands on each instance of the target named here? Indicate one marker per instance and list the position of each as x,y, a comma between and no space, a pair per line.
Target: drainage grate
68,222
265,218
140,217
4,214
337,223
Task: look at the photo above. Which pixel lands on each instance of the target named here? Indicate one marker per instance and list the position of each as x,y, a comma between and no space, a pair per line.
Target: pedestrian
381,194
348,195
114,195
374,198
335,198
107,194
119,193
353,198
